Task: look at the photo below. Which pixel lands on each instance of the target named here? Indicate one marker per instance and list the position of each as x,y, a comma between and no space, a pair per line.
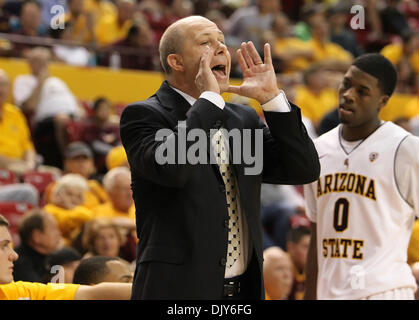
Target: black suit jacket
181,211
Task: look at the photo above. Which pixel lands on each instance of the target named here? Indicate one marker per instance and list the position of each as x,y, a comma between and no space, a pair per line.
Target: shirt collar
191,100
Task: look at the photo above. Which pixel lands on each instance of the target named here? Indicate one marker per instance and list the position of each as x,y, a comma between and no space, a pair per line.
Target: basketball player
363,206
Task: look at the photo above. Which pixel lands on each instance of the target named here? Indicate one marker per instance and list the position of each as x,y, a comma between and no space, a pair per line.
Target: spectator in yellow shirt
315,97
111,28
17,152
120,207
407,50
66,207
20,290
82,22
293,53
326,52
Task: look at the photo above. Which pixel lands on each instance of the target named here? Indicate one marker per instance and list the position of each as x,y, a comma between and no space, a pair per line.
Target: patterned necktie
221,156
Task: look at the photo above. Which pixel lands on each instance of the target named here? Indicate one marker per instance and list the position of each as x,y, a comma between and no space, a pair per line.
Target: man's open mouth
219,69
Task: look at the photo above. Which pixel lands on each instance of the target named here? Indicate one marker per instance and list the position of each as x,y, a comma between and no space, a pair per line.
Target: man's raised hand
205,79
259,78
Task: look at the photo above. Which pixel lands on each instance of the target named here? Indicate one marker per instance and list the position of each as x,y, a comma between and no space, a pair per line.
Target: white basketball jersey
363,223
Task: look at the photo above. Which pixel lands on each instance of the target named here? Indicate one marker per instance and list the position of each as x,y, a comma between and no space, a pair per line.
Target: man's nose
14,256
349,95
221,48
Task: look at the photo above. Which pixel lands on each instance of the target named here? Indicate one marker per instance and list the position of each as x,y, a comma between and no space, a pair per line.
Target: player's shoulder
409,147
327,140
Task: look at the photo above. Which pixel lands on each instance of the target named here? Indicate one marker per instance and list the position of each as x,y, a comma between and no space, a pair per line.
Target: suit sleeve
140,123
290,156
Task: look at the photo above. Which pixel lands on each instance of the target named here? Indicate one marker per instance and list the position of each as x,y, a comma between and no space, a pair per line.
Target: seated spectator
30,25
293,54
340,34
135,50
277,273
298,241
316,97
406,49
250,23
74,55
67,205
405,57
61,265
102,237
100,131
82,22
158,15
100,269
116,157
392,18
51,103
17,152
99,8
10,290
40,236
110,29
78,159
325,52
120,207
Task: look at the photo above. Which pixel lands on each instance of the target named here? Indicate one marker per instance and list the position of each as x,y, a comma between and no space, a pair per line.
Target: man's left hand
259,81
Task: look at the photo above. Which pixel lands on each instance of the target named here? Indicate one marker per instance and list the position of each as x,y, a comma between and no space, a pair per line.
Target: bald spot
172,40
273,255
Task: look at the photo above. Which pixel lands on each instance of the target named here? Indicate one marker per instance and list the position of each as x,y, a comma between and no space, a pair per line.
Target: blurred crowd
65,184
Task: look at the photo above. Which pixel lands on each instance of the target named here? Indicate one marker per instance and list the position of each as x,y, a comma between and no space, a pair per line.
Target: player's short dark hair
295,234
380,68
92,270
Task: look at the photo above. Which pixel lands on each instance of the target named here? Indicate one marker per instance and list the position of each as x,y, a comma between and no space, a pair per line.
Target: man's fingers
254,55
267,53
242,62
246,55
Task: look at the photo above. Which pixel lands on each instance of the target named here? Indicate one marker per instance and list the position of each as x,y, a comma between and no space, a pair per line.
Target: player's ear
175,62
383,101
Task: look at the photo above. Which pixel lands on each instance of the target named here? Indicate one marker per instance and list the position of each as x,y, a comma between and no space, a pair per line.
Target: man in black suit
198,224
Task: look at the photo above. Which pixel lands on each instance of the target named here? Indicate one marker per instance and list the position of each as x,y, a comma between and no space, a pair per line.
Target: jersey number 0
341,215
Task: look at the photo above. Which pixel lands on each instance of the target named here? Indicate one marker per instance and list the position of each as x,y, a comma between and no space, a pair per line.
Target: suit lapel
173,102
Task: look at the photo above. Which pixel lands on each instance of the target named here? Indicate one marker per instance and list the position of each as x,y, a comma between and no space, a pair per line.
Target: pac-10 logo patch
373,156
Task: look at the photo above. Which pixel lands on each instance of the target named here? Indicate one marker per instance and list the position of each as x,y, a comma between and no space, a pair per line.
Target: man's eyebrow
365,87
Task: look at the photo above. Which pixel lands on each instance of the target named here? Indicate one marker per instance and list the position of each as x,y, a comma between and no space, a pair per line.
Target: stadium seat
40,180
13,212
7,177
